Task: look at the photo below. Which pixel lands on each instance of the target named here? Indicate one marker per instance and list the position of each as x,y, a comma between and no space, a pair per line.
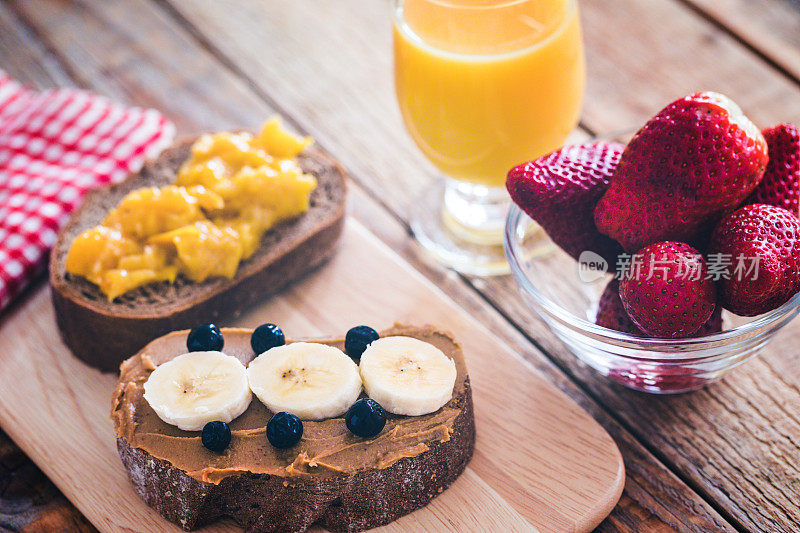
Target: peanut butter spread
327,447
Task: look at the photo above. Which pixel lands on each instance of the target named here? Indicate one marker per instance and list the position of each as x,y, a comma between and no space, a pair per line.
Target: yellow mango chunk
117,282
96,250
204,250
283,144
151,258
234,188
145,212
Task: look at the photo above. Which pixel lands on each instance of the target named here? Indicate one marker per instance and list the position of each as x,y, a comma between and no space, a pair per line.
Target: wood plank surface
28,499
29,502
735,441
646,54
653,495
539,462
654,498
683,56
768,26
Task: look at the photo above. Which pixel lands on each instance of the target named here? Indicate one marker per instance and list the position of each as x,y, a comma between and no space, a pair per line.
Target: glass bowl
566,299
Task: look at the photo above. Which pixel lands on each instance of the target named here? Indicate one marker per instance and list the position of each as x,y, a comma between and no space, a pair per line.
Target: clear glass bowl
567,302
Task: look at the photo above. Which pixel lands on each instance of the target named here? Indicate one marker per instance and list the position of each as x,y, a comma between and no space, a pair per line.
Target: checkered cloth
55,146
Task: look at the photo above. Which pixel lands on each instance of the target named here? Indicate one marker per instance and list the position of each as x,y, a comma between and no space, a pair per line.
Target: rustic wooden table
725,458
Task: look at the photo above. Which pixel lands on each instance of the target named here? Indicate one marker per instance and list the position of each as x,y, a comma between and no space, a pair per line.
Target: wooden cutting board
540,462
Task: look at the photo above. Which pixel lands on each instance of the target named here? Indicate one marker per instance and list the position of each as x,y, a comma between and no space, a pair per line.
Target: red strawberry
560,190
781,183
762,244
698,158
666,290
611,314
665,379
713,325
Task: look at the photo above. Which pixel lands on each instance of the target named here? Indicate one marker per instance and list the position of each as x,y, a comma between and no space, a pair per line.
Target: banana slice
198,387
309,380
407,376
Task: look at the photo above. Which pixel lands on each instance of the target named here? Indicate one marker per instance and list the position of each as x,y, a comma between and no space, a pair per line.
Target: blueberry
205,338
266,336
357,340
365,418
216,436
284,430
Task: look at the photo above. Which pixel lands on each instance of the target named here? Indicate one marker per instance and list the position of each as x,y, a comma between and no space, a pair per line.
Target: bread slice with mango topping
104,332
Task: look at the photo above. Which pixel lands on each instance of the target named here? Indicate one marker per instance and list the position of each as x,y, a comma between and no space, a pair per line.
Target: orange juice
482,89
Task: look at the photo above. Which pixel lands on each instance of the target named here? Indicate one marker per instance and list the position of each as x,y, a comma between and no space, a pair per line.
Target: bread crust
266,503
103,334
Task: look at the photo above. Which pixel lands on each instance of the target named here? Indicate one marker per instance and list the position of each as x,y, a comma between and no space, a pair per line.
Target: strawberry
611,314
666,290
664,379
713,324
560,190
781,183
762,243
698,158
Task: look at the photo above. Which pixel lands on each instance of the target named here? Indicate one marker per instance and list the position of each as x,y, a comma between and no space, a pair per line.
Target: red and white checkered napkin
54,146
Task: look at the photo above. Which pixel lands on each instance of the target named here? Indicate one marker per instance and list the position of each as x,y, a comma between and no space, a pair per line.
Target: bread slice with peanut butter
331,477
104,333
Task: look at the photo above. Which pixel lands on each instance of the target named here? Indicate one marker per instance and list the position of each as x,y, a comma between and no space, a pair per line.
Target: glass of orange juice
483,85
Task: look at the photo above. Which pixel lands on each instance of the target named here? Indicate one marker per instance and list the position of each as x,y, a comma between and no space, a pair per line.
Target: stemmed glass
483,85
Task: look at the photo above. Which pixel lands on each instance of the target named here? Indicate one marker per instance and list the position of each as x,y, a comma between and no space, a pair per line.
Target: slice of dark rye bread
103,333
354,500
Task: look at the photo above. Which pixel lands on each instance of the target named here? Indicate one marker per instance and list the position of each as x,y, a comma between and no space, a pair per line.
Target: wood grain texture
654,497
539,456
29,502
28,499
24,57
684,55
643,55
735,441
768,26
379,154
